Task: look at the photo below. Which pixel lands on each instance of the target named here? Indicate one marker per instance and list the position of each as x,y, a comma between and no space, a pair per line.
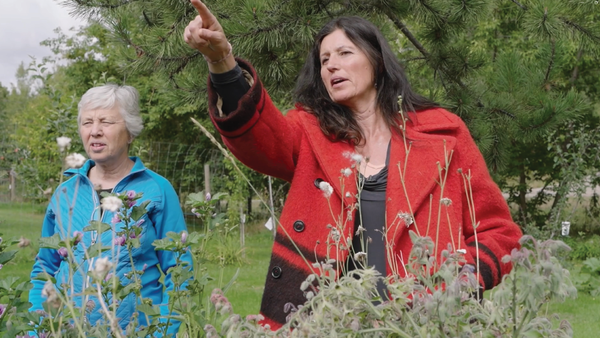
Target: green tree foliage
513,70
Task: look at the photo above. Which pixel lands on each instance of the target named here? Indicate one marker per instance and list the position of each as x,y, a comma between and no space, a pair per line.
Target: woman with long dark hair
368,160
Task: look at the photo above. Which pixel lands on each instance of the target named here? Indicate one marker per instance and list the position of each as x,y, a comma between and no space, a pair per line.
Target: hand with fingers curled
206,35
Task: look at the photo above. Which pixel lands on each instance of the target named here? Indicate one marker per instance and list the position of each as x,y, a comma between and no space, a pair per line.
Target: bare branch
520,5
551,61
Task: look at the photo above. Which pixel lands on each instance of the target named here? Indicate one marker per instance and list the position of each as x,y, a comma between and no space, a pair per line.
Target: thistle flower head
131,194
360,257
23,242
111,203
207,197
102,266
49,291
184,236
346,172
120,241
335,234
77,237
446,201
326,188
63,142
90,305
63,252
355,157
75,160
196,213
406,217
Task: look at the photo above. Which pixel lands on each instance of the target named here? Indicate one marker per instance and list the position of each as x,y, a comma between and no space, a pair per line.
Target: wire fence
181,164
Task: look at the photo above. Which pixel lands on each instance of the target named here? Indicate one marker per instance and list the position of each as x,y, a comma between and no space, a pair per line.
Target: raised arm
206,35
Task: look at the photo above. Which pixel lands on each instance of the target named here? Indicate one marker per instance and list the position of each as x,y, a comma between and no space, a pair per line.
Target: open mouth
97,145
336,81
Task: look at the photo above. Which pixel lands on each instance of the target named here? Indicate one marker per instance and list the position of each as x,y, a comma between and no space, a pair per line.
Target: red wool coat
294,148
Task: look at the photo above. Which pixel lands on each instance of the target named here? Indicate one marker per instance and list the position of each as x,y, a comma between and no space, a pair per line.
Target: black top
371,214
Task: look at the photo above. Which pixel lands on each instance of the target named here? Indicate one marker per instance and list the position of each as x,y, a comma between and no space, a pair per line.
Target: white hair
108,96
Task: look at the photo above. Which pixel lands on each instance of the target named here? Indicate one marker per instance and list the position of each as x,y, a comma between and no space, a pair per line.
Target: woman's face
346,72
104,135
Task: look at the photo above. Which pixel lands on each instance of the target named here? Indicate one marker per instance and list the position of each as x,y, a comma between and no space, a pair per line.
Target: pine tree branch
502,111
96,4
402,27
581,29
576,69
520,5
552,55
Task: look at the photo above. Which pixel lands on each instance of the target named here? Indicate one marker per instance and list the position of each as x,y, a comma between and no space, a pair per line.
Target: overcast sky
23,25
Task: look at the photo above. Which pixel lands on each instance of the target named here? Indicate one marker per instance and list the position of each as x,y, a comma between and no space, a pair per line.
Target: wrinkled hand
205,34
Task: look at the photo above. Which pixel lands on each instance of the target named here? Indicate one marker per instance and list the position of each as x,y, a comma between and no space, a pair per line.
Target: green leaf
50,242
139,211
97,226
7,256
149,310
194,198
96,249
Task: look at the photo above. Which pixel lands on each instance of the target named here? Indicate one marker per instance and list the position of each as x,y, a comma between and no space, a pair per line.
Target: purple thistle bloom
108,277
140,222
120,241
63,252
132,234
115,219
41,313
0,240
184,236
78,235
144,267
207,197
2,309
1,266
131,194
195,212
131,203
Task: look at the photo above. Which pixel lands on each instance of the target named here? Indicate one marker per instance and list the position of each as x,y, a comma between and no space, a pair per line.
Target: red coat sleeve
491,233
257,133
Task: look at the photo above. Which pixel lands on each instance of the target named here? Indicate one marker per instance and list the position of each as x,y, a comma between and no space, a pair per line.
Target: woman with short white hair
109,120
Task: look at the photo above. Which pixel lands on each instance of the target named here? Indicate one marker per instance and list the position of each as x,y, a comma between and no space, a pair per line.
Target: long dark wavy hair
337,120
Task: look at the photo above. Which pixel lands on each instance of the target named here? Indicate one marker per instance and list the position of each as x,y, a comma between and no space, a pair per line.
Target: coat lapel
333,157
413,175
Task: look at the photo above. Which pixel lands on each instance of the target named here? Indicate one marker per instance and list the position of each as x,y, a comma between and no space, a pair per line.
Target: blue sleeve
47,260
169,218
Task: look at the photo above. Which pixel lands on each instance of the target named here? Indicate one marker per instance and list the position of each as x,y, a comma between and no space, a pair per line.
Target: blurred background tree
522,74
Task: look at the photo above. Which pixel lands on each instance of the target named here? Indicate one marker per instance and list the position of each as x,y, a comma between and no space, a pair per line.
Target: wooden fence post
242,230
13,185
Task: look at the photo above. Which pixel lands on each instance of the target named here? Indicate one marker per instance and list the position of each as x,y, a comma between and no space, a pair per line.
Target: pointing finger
204,12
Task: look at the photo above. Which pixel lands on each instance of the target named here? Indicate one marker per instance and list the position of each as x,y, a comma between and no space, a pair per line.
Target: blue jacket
164,215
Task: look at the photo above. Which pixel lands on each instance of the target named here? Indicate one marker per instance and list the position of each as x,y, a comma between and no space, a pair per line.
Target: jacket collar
137,166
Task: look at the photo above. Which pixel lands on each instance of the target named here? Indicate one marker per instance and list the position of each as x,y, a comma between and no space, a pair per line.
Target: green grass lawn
246,291
18,220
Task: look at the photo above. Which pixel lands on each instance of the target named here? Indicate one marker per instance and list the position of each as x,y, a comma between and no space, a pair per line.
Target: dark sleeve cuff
247,109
